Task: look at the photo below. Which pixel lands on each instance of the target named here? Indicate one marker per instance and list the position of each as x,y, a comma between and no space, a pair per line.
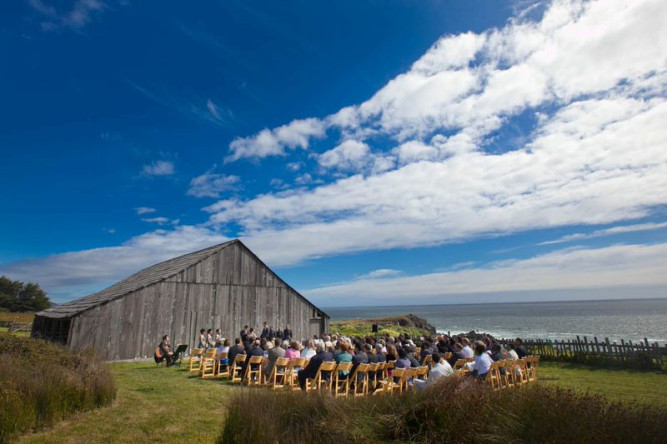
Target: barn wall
227,290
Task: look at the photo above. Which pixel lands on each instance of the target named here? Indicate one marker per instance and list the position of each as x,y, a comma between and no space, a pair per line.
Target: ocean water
614,319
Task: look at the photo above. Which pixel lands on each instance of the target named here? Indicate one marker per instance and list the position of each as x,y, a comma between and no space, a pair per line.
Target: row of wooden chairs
512,373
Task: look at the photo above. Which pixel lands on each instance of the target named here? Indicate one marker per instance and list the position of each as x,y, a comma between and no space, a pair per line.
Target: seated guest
379,353
497,352
309,351
165,351
293,351
520,348
440,368
466,351
276,352
236,349
480,367
392,353
359,357
403,361
224,348
344,356
426,350
313,366
411,357
372,357
511,352
256,350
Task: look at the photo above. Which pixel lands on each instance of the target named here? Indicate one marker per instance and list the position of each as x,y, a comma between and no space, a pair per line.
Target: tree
19,296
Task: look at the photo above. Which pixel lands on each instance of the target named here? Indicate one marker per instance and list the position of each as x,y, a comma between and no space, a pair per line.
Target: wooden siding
226,290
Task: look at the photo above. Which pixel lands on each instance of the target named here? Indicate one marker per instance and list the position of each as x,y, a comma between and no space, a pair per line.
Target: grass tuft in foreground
453,410
43,383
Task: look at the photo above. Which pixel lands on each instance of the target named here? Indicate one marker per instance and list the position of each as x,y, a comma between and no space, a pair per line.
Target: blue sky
370,152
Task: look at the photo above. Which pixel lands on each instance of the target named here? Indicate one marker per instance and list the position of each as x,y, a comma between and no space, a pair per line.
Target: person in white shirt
466,350
511,352
480,367
309,351
440,368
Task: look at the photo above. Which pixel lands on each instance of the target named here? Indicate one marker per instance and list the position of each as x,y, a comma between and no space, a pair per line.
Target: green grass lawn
153,404
166,404
614,384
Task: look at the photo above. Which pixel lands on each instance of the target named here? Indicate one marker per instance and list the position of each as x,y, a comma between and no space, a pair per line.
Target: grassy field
152,404
386,326
616,385
166,404
6,316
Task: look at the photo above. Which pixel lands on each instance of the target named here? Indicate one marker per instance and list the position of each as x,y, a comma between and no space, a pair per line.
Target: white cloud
158,168
144,210
351,154
267,142
620,265
213,109
80,15
69,275
211,185
380,273
622,229
156,220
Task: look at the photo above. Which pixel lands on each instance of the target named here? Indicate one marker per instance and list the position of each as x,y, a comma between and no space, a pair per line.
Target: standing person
287,333
244,333
265,331
202,339
218,337
210,343
520,348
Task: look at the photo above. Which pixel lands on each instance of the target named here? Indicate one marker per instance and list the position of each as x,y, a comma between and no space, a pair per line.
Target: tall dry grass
451,411
43,383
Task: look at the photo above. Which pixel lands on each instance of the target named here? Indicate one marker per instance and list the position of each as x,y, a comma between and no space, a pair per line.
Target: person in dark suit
359,357
411,357
287,333
256,350
520,348
426,350
314,365
236,349
265,331
244,333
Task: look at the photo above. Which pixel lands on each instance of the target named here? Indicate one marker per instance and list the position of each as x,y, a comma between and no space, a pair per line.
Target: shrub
43,383
453,410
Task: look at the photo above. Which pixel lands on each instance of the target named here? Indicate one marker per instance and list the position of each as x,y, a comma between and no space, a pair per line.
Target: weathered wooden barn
225,286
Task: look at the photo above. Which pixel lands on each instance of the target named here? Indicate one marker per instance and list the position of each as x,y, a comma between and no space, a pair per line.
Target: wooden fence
640,354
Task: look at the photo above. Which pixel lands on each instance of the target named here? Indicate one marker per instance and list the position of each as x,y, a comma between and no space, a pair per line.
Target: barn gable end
225,286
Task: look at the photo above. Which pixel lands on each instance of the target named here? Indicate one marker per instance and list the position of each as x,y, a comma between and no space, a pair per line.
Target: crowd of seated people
444,351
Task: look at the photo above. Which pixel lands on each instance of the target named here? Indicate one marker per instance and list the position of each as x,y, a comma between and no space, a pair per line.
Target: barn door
315,328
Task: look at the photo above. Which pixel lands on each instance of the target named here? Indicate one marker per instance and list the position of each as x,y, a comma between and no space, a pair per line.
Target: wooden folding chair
279,374
209,363
531,368
504,372
372,375
410,375
341,383
253,374
295,365
237,368
428,360
422,372
388,368
393,384
360,380
195,359
320,380
223,369
493,376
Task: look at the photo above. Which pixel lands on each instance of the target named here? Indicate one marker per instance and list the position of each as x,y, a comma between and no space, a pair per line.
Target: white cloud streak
158,168
212,185
622,229
620,265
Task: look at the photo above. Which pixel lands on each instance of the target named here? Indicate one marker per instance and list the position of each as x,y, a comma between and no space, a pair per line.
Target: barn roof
144,278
